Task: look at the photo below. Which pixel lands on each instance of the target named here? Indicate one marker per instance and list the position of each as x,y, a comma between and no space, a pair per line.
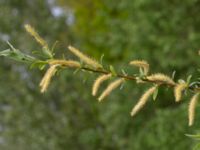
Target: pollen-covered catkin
142,101
141,63
47,78
67,63
159,77
37,37
191,109
98,82
84,58
110,88
178,90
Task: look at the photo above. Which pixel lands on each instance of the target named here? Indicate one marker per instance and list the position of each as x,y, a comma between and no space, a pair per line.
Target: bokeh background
165,33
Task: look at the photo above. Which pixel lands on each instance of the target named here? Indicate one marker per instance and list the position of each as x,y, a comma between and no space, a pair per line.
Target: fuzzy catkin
159,77
191,109
84,58
37,37
178,90
47,78
141,63
68,63
110,88
143,100
98,82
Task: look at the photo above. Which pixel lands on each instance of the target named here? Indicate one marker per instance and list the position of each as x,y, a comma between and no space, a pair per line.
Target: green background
165,33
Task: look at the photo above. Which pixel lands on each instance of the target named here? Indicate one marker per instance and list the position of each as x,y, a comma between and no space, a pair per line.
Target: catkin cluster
112,78
157,79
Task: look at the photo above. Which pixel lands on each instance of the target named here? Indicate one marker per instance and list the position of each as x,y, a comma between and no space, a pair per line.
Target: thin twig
128,77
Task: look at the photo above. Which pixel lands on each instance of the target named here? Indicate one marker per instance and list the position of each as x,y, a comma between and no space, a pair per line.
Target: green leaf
47,52
54,46
113,70
39,64
76,71
123,72
188,79
181,81
155,94
17,55
195,136
141,71
42,66
173,74
122,86
5,53
101,59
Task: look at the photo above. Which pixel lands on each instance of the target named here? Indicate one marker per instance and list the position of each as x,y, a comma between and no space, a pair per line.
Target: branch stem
128,77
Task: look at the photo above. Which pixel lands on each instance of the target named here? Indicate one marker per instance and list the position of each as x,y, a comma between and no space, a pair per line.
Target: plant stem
128,77
107,72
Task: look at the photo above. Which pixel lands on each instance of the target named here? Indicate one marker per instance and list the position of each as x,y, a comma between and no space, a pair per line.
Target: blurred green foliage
165,33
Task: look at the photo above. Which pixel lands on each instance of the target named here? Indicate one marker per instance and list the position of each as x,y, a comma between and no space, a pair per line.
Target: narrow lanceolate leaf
67,63
178,90
189,79
141,64
191,109
195,136
161,78
155,94
112,69
110,88
84,58
47,78
98,82
173,74
143,100
17,56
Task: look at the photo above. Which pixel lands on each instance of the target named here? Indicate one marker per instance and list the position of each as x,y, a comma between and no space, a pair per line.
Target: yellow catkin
85,58
191,109
159,77
178,90
37,37
98,82
141,63
110,88
143,100
68,63
47,78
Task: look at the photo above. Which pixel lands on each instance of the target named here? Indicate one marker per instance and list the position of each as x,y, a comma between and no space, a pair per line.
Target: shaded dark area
165,33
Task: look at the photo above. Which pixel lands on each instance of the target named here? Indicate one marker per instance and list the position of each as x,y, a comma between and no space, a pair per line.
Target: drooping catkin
143,100
67,63
178,90
110,88
37,37
141,63
84,58
191,109
159,77
47,78
98,82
